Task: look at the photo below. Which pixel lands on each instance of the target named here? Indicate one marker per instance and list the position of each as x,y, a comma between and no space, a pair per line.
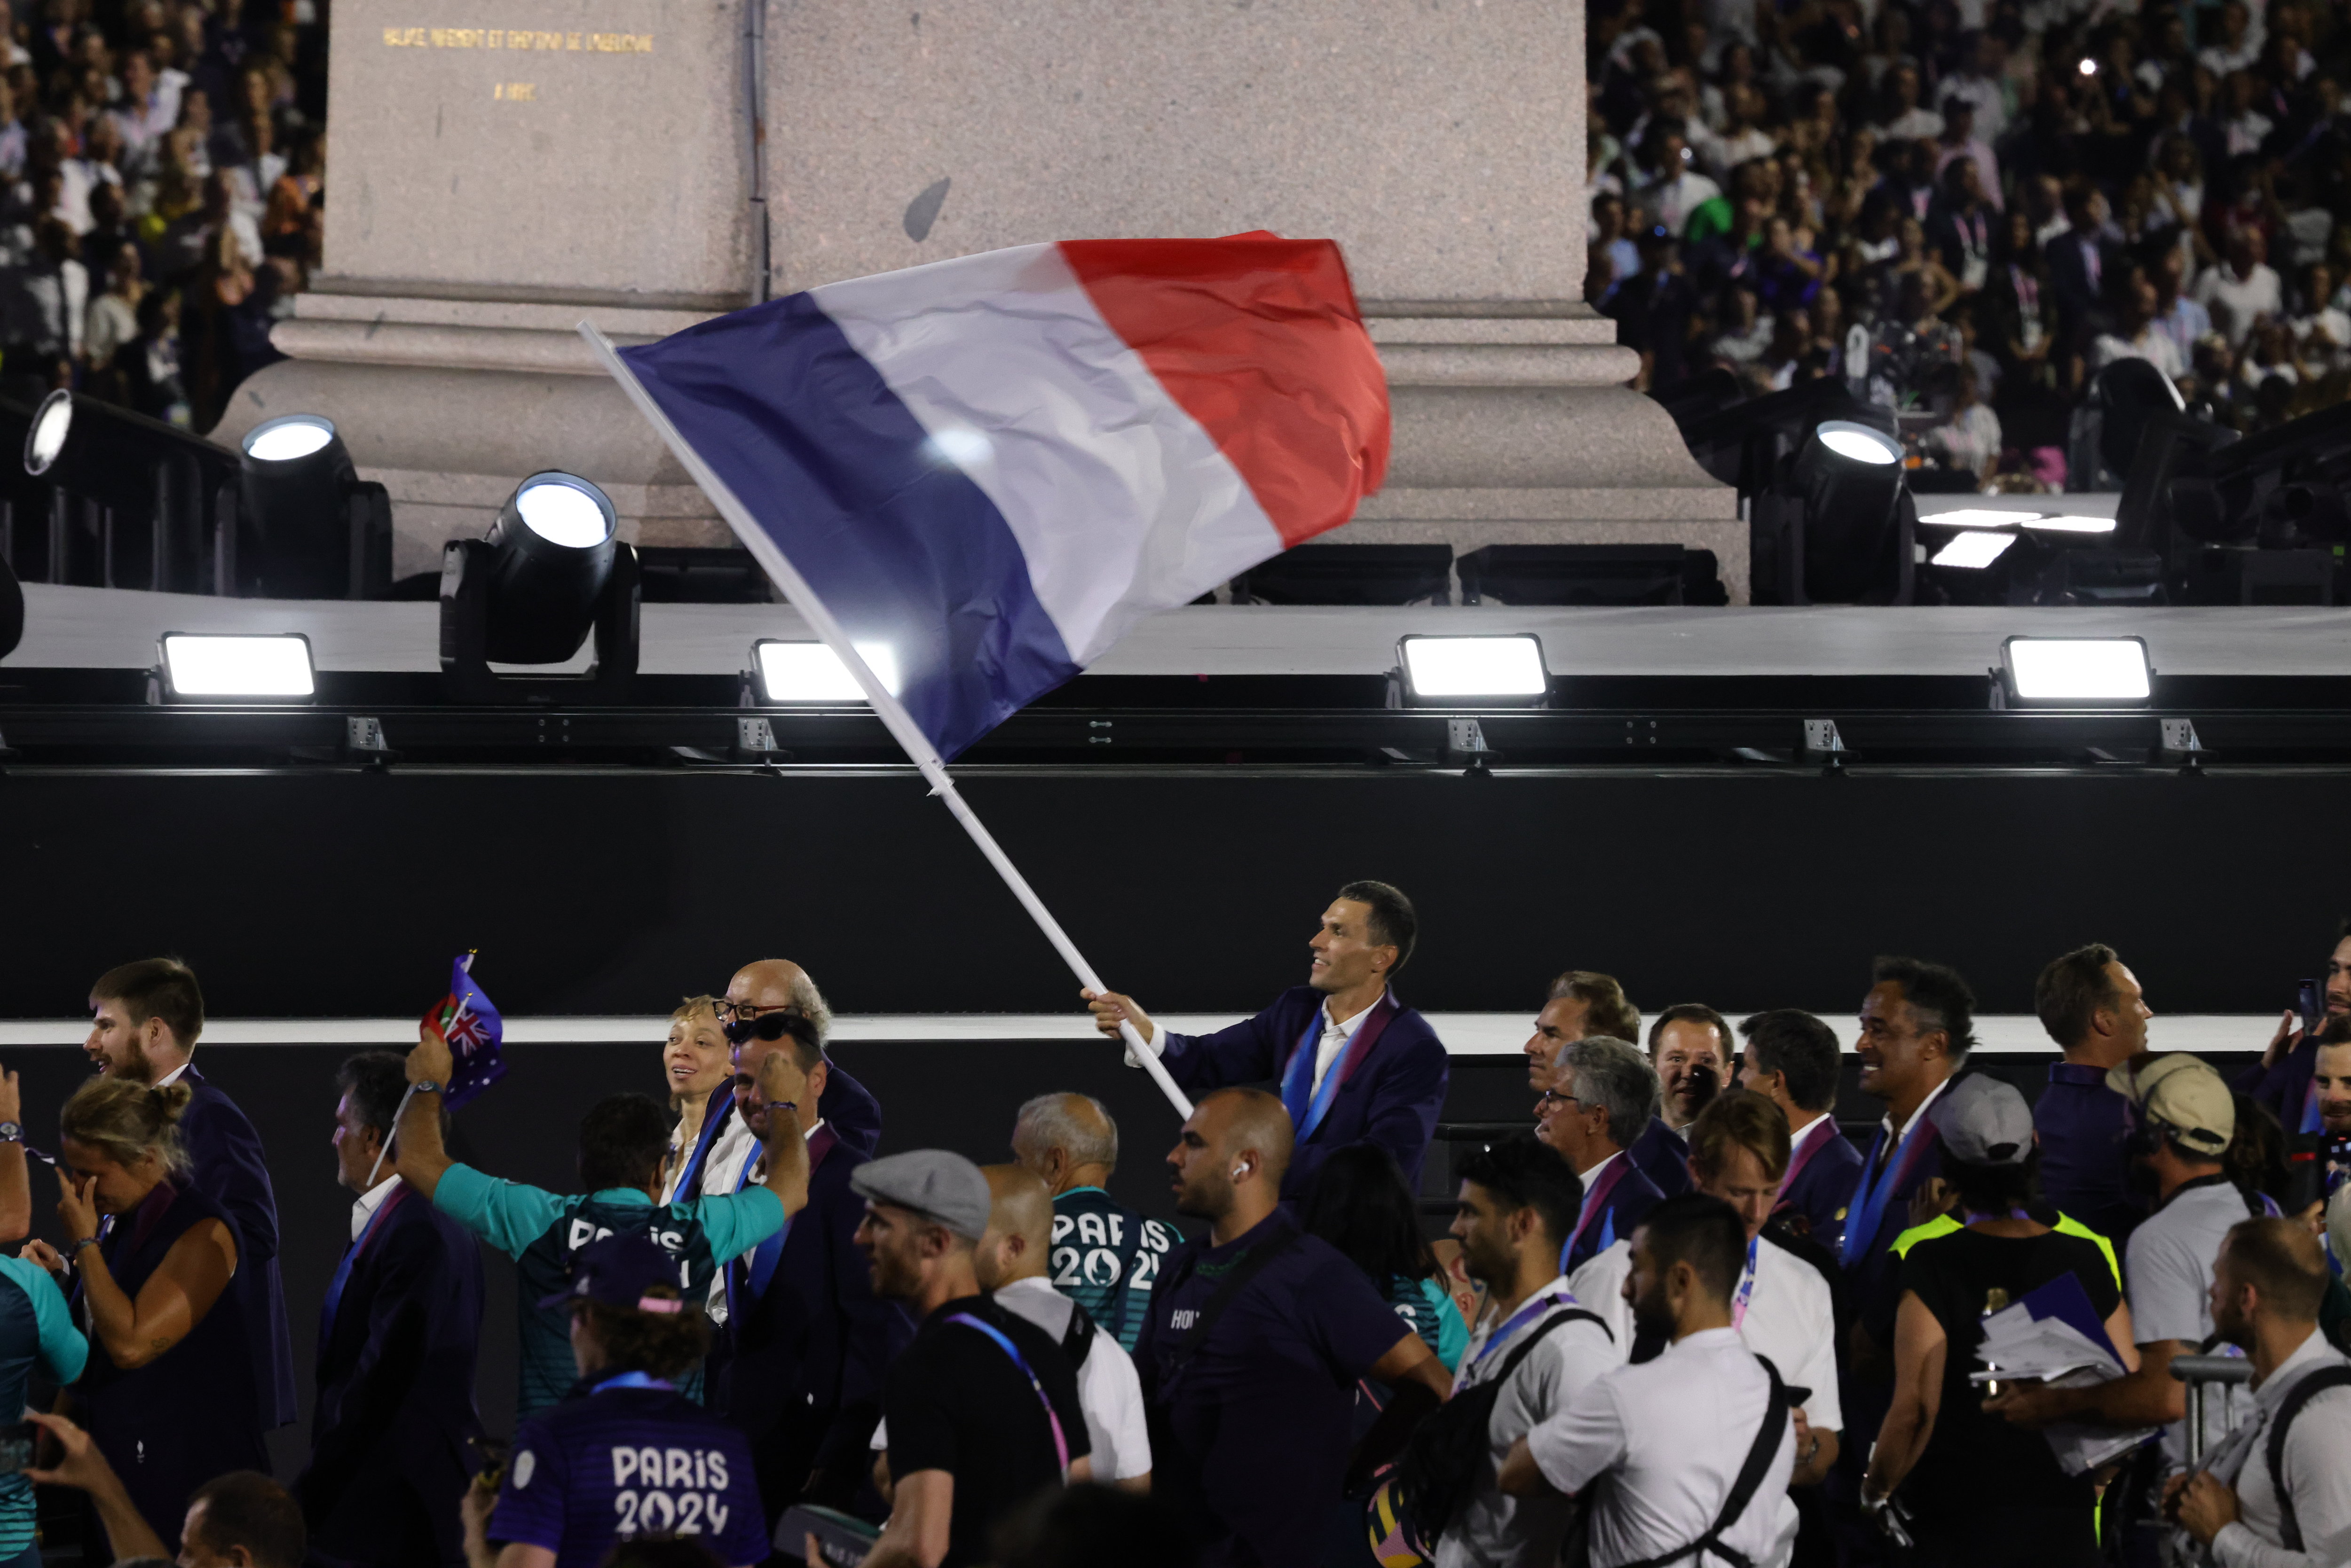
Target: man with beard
2330,1086
1355,1065
1690,1045
1257,1337
2277,1491
145,1018
2280,1080
1674,1435
1519,1203
983,1407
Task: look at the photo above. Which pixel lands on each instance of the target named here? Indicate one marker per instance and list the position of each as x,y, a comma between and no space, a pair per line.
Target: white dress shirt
1336,1038
1494,1529
363,1208
1789,1319
1893,1134
1110,1392
1671,1435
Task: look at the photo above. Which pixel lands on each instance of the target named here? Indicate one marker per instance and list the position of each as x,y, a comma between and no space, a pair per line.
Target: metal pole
886,706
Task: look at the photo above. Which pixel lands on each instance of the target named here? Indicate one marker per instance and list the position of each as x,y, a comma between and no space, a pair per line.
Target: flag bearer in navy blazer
145,1018
398,1334
1354,1065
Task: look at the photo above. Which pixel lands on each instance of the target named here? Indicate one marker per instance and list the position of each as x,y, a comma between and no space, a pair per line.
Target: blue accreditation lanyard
635,1380
1518,1320
760,1264
1869,1198
1308,1113
1004,1343
351,1256
1738,1302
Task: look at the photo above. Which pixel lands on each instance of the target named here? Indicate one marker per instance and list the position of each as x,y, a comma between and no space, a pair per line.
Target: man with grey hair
1105,1256
759,999
1603,1097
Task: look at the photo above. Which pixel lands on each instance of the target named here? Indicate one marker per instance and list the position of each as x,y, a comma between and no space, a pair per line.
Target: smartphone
16,1441
493,1458
2311,1003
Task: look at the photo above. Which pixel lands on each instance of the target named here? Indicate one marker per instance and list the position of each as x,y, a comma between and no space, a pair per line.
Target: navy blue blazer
1663,1156
1634,1196
1390,1089
799,1369
1824,1188
227,1165
395,1406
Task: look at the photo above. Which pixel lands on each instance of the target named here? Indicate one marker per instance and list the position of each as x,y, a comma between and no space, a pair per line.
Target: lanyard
1869,1198
1593,1202
633,1380
1308,1113
1060,1444
1739,1303
1519,1320
342,1275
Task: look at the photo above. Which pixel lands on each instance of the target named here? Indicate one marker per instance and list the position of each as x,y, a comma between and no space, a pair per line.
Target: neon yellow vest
1945,1225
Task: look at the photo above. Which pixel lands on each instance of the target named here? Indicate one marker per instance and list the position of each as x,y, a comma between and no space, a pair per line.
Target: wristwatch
10,1133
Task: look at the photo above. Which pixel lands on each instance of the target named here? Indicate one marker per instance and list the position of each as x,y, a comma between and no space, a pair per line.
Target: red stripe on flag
1260,341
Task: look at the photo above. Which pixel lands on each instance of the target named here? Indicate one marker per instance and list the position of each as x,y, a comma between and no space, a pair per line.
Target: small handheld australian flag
474,1029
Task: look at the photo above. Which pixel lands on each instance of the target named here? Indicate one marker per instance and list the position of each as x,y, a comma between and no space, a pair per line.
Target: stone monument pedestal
492,188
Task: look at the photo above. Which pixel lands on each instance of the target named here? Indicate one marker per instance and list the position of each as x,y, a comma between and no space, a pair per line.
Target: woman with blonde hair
170,1397
697,1063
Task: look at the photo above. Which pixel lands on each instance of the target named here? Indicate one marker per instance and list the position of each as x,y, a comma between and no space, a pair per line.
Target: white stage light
556,508
1858,442
2077,669
51,425
1507,668
284,440
1974,548
812,672
237,667
2071,523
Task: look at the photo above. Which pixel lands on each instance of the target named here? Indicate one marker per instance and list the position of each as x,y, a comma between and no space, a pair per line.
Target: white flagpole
886,706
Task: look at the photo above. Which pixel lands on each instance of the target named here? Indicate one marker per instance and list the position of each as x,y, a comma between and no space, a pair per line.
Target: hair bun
172,1099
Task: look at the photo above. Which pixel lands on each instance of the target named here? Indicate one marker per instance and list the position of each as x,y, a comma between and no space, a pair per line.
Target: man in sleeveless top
145,1018
623,1140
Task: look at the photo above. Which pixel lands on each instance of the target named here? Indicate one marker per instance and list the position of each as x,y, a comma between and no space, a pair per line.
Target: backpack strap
1078,1339
1519,1351
2302,1393
1759,1455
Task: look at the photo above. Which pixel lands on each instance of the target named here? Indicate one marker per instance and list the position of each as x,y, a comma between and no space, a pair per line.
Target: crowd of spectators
1686,1315
1966,208
161,187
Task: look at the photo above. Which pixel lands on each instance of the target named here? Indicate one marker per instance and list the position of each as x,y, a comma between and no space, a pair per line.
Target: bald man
1257,1337
1010,1263
724,1153
1105,1256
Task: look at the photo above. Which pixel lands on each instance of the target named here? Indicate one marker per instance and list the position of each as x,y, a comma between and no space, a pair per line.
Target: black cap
618,1270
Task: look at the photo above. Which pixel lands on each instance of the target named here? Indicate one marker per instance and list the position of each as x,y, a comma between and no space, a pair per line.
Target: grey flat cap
1984,1122
942,1186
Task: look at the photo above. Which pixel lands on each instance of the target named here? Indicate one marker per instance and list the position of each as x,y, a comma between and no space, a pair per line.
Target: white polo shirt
1670,1436
1493,1530
1789,1319
1109,1391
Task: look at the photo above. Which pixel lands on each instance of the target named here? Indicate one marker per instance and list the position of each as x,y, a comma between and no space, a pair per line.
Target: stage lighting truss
551,574
1503,671
234,667
2075,672
789,672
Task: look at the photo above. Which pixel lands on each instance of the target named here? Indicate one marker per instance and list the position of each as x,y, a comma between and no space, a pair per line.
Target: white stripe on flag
1119,500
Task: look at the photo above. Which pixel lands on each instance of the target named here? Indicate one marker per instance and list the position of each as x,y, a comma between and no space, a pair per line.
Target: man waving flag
995,466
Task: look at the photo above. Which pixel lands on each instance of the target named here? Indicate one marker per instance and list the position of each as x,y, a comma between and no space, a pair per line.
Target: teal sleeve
734,1222
1452,1333
63,1349
507,1215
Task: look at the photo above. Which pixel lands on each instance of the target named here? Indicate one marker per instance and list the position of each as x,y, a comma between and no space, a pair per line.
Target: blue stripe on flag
903,548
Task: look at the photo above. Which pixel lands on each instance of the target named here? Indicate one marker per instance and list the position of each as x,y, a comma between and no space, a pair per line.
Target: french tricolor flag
996,464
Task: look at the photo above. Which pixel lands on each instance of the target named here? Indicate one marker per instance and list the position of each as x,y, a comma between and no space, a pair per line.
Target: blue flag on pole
474,1032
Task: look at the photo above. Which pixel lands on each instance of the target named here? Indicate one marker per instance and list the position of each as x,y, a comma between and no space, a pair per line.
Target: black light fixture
1821,473
142,474
306,526
26,504
11,608
1589,575
1351,574
551,573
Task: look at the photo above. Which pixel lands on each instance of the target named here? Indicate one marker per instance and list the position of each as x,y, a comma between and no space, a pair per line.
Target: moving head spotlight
142,472
306,526
551,571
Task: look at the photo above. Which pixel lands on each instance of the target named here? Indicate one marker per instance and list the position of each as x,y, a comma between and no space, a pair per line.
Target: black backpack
2308,1389
1449,1451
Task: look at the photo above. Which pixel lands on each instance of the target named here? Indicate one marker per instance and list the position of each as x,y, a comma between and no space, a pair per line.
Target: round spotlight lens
1858,442
562,514
50,427
284,440
2089,67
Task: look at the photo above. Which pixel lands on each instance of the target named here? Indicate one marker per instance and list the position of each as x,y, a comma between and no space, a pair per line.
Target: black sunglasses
770,1025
